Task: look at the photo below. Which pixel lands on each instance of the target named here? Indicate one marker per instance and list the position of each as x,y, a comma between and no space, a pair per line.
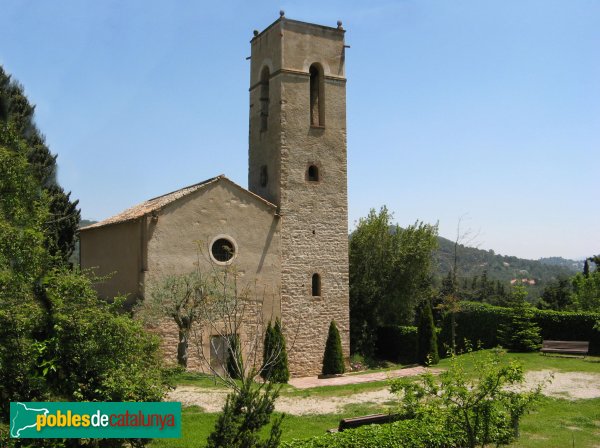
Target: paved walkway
357,378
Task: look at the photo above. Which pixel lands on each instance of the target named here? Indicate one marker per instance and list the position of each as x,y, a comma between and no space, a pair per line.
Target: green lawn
555,423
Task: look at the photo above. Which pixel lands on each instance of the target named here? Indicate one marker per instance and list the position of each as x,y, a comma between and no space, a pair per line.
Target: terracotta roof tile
151,205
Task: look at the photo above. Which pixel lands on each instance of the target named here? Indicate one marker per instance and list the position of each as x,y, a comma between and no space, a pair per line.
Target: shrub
275,361
427,433
427,349
246,413
520,333
480,410
575,326
265,371
479,323
333,359
234,364
281,372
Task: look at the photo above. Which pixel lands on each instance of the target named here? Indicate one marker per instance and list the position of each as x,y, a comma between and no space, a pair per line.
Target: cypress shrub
333,359
275,361
281,371
234,365
267,367
427,349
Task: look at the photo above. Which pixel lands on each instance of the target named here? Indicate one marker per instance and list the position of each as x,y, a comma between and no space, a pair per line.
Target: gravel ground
567,385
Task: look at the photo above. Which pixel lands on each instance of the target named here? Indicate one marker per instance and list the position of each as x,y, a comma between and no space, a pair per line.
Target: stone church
288,232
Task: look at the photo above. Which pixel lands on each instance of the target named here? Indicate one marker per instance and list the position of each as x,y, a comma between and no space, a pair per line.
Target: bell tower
297,160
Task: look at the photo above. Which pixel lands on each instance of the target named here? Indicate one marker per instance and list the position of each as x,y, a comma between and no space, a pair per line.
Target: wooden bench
355,422
566,347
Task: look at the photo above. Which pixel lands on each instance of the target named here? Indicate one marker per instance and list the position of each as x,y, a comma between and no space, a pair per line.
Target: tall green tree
58,340
389,274
558,295
586,291
60,226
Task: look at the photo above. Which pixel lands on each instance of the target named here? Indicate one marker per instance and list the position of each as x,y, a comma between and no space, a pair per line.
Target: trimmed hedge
397,344
479,322
401,434
567,326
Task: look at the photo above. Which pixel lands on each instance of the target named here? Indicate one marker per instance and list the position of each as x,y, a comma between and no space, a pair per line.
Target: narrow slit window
317,103
313,173
264,99
316,285
264,176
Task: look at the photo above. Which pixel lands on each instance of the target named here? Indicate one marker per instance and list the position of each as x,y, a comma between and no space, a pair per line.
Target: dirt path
211,400
568,385
313,381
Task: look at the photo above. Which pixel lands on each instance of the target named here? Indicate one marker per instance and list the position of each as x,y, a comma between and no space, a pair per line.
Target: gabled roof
155,204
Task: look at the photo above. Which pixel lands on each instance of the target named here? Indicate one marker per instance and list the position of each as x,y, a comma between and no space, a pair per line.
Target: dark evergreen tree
247,411
557,295
234,365
281,371
333,358
586,268
474,284
596,260
427,348
448,285
520,333
267,367
63,220
275,362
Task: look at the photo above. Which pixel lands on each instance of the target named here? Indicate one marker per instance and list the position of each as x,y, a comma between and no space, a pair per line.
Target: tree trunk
182,348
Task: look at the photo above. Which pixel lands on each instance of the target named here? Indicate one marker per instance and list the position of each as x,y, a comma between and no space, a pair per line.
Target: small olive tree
232,319
181,298
478,410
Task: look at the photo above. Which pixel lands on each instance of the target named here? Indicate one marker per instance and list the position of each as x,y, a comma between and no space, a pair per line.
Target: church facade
288,232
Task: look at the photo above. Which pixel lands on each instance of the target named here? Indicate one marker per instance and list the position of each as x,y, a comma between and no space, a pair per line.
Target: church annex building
288,232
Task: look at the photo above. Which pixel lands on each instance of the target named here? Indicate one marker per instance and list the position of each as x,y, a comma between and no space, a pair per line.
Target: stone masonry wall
314,215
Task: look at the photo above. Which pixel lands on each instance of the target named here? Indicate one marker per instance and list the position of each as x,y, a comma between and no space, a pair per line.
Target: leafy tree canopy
389,274
60,225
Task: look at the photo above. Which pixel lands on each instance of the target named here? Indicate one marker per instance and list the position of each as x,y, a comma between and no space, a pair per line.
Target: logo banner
95,420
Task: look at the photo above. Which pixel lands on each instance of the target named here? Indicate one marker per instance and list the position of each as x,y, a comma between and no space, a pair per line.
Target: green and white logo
95,420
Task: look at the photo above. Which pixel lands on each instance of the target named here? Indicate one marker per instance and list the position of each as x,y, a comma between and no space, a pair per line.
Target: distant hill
577,265
473,262
86,222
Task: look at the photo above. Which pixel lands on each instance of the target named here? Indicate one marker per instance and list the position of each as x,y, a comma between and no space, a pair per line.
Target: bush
427,349
562,325
429,433
397,344
333,359
479,323
246,413
275,361
520,333
477,411
234,364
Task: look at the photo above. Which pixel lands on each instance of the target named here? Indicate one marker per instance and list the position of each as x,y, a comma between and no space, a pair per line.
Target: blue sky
488,110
